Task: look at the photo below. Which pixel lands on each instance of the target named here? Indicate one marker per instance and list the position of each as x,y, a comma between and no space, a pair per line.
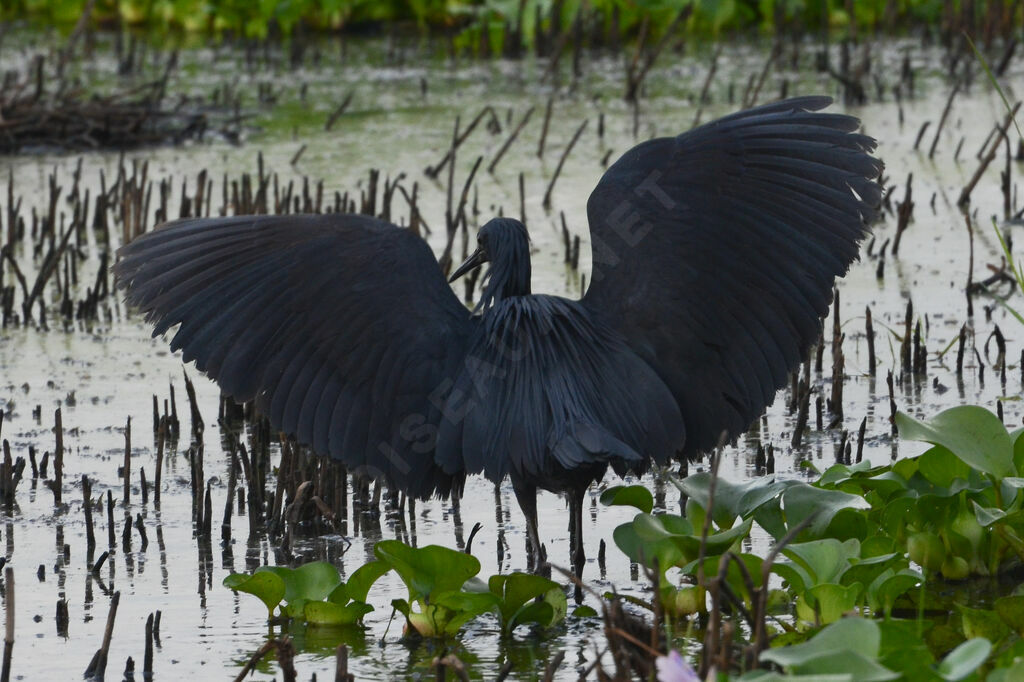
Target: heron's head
505,244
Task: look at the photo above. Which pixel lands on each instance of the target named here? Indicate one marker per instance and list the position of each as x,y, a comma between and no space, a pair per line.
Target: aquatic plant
885,541
444,592
313,592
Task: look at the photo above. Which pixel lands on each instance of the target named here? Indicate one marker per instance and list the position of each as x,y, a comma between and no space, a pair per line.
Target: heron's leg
526,496
577,555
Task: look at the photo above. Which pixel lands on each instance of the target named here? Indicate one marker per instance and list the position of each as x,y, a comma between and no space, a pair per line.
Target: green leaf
965,659
825,560
584,611
854,635
515,591
1011,611
802,501
889,586
981,623
832,601
629,495
339,595
1018,449
325,613
941,467
970,432
312,581
267,586
904,650
716,543
427,570
731,499
646,551
364,577
849,646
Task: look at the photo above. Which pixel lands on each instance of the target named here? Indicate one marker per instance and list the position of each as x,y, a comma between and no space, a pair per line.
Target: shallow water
103,375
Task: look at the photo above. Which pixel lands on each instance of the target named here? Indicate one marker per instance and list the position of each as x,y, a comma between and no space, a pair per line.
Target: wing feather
339,327
715,252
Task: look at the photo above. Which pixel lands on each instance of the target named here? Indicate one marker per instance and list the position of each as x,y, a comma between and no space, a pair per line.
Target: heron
715,254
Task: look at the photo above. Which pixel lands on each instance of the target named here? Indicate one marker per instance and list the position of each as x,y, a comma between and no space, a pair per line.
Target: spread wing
715,252
340,327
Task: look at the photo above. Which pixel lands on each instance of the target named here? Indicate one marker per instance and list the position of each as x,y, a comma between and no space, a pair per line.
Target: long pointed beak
478,258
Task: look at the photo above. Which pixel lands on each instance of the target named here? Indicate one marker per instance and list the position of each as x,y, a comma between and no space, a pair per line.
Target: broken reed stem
5,676
197,418
111,537
561,162
90,533
544,128
341,673
98,666
869,331
58,459
160,438
965,193
147,661
511,138
127,471
942,119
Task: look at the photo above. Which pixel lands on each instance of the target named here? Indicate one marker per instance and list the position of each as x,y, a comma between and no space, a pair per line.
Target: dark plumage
715,254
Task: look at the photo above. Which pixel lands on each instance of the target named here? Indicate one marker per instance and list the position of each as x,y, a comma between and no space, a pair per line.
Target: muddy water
103,375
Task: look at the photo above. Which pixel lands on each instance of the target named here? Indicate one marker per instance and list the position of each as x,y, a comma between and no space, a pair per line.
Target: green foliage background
259,18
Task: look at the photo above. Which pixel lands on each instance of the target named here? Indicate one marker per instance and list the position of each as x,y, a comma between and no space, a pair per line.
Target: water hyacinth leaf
830,601
294,608
644,551
467,603
268,587
848,524
1011,611
795,576
1012,674
801,501
941,467
312,581
904,650
825,560
516,593
965,659
339,595
428,570
1018,449
890,586
629,495
858,635
359,583
326,613
986,516
972,433
863,669
715,543
867,569
981,623
772,519
732,500
771,676
733,576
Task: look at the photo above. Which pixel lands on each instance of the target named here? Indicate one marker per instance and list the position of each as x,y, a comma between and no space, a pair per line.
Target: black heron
714,257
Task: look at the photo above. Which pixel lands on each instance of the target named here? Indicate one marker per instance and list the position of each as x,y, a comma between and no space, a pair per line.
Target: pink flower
673,668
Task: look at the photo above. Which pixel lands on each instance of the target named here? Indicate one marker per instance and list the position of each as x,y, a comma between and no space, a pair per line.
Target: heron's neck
508,276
